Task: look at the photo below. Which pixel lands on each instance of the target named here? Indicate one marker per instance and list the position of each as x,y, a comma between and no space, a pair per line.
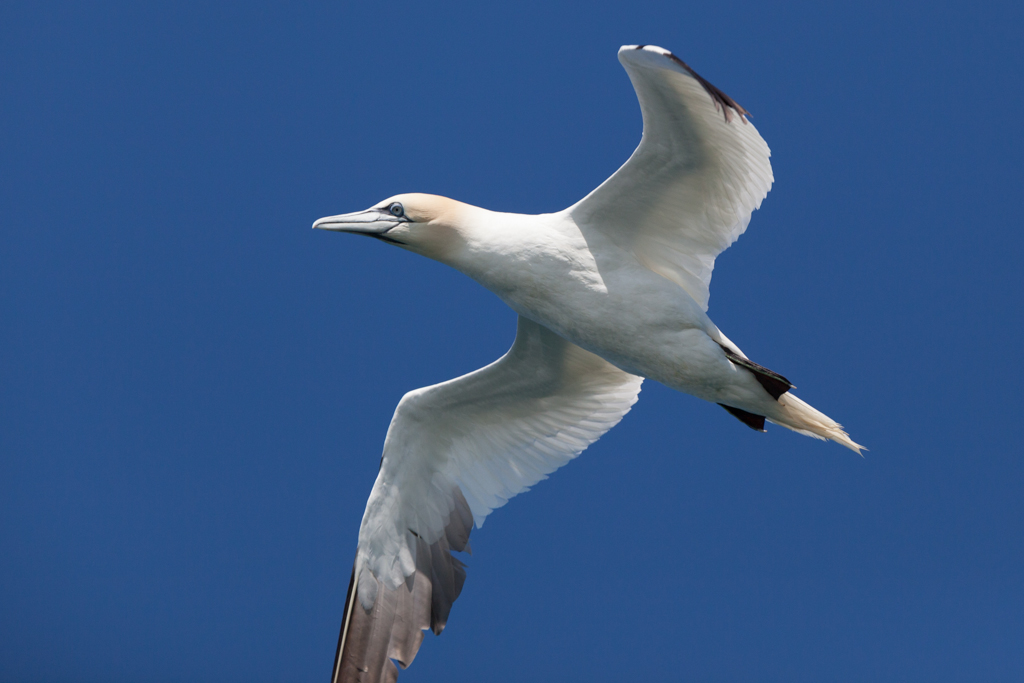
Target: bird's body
582,286
609,291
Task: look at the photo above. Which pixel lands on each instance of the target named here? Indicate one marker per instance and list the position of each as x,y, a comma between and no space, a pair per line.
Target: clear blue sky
195,386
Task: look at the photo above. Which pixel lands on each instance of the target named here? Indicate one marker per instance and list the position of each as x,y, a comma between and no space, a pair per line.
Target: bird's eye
396,210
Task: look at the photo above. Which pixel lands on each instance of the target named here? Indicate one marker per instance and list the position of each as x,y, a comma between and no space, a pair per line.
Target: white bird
609,291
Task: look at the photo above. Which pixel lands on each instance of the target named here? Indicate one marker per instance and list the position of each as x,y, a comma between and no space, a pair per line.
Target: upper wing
688,190
454,452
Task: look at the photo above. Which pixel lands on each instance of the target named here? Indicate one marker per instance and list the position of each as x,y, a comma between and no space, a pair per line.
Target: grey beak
369,222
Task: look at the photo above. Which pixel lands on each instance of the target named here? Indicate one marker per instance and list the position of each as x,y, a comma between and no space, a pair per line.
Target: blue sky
195,386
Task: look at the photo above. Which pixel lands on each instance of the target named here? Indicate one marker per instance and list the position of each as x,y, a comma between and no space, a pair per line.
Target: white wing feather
454,452
688,190
493,433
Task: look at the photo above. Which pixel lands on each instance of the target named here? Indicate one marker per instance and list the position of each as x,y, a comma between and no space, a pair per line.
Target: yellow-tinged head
425,223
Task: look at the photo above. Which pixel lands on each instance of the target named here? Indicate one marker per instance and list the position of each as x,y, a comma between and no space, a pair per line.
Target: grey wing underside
394,627
454,452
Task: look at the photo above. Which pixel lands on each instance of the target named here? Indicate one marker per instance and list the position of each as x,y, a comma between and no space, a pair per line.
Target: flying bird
609,291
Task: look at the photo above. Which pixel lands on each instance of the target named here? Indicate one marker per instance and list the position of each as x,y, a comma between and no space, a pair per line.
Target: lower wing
454,452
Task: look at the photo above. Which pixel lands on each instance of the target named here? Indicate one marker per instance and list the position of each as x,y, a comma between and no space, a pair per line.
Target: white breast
584,287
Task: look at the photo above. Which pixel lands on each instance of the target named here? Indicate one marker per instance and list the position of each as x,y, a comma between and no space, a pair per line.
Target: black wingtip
774,383
717,96
755,422
347,616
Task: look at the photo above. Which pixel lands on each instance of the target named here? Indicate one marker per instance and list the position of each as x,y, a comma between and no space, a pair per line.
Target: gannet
612,290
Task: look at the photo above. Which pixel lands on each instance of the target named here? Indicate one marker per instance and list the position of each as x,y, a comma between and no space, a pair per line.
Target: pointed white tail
801,417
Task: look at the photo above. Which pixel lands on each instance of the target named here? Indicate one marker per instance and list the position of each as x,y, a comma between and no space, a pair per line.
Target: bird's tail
801,417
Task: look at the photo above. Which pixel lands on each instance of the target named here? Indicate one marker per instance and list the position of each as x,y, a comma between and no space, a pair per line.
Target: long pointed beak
369,222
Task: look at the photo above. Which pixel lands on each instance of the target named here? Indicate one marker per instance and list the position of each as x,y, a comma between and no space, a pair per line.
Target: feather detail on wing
454,452
688,190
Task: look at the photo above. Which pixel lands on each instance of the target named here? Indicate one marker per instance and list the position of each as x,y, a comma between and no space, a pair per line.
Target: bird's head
434,226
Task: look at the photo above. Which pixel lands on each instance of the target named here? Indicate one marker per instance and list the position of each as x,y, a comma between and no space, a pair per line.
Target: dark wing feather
393,628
